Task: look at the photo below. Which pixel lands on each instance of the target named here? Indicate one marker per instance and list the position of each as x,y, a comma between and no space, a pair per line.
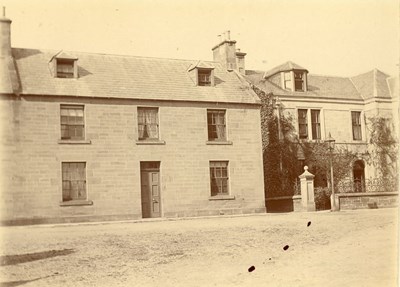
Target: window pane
216,124
79,132
64,112
74,181
79,113
148,123
356,125
219,177
303,127
72,112
72,122
298,85
79,120
204,78
209,118
315,124
64,132
315,116
298,76
316,131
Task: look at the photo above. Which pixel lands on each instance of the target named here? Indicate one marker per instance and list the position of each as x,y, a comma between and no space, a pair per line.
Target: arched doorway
359,176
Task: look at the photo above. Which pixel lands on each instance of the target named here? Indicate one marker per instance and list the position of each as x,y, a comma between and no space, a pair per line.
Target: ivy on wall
383,152
281,149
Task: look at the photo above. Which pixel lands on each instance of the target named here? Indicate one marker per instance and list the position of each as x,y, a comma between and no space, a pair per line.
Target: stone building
341,106
88,137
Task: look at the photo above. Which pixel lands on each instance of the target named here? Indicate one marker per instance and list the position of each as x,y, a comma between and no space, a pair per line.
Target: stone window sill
74,141
149,142
219,143
76,202
222,197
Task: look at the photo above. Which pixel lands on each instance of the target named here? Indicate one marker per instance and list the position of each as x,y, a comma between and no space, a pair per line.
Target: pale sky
328,37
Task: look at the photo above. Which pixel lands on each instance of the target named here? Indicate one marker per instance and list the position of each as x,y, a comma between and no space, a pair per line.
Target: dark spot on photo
252,268
309,223
286,247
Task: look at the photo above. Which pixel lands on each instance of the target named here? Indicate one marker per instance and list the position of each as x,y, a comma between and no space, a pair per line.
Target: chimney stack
225,53
240,61
5,35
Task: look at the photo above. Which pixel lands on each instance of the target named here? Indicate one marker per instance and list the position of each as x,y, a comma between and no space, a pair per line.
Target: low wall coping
365,194
284,197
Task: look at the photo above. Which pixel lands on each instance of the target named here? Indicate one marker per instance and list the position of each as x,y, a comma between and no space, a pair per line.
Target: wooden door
150,189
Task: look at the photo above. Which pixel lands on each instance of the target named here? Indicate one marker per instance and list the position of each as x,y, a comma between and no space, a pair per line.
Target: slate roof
114,76
372,84
8,76
362,87
288,66
318,87
394,87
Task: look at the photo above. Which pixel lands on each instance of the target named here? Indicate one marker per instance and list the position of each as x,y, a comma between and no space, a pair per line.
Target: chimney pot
228,35
5,35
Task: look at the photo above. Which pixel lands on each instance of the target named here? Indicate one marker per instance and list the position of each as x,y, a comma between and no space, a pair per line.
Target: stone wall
366,200
32,186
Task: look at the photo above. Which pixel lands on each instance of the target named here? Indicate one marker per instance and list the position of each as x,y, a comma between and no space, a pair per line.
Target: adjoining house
88,137
340,106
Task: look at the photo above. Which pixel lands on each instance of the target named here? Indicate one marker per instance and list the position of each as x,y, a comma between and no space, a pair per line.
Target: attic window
204,77
288,81
299,81
65,68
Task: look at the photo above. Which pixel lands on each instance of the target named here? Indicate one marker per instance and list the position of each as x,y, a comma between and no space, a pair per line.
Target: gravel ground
348,248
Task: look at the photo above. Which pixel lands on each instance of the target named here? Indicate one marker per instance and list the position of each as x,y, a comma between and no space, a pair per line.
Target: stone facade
113,155
110,89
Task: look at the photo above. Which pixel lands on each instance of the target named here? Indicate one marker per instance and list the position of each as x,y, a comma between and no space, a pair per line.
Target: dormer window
204,77
299,81
65,68
288,81
295,80
202,74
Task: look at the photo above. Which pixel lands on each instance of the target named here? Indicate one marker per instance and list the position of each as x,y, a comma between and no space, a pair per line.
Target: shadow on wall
279,205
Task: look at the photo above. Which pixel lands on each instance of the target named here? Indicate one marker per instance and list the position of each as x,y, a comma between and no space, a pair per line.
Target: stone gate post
307,190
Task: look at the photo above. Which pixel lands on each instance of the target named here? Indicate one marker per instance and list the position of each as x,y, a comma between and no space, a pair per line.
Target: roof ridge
374,81
322,75
116,55
355,87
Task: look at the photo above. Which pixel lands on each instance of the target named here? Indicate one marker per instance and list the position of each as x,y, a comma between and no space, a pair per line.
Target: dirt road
352,248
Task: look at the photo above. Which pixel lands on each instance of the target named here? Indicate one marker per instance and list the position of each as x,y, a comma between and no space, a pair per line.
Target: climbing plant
281,147
383,154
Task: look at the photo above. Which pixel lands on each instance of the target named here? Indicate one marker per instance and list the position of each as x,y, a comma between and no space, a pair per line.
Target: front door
358,176
150,189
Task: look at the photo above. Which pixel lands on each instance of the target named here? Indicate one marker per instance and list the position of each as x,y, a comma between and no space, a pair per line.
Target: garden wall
347,201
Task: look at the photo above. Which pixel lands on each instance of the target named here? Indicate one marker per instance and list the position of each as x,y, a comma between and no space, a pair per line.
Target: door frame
149,169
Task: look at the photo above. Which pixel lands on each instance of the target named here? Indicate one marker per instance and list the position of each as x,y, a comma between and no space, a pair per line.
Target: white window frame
363,132
309,123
